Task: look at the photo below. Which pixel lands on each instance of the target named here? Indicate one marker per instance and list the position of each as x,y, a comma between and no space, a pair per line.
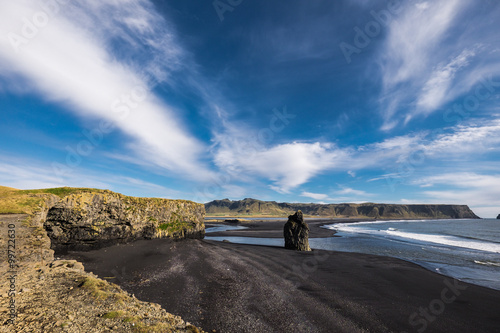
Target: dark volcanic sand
244,288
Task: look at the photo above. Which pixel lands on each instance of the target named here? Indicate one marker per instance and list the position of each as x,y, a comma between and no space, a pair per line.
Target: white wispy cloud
26,173
315,196
414,35
479,191
434,91
342,195
463,179
351,191
26,176
386,176
467,139
286,165
428,60
70,61
398,142
470,141
29,173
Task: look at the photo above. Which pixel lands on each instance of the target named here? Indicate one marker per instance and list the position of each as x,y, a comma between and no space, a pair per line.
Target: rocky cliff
365,210
91,220
43,294
82,218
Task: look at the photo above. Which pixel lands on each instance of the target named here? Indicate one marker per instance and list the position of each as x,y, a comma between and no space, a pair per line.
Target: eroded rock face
498,217
92,220
373,210
296,233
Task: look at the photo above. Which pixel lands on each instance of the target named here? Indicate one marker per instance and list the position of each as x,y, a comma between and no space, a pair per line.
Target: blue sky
319,101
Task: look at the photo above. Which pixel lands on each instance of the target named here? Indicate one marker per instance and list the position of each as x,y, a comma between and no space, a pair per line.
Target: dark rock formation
86,221
368,210
498,217
296,233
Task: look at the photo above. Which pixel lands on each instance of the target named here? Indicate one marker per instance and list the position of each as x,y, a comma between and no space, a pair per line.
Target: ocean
467,249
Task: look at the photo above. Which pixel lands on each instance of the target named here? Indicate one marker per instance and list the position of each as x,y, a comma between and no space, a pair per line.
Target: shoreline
273,228
272,231
231,287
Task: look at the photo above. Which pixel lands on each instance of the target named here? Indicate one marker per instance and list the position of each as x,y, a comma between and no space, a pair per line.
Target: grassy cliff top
14,201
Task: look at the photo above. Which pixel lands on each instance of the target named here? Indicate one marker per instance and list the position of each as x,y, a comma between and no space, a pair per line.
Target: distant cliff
371,210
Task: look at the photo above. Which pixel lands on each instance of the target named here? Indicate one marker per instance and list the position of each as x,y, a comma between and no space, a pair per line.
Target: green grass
64,191
172,227
103,290
113,314
166,226
14,201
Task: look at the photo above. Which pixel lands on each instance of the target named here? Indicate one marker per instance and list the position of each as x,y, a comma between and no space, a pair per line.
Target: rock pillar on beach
296,233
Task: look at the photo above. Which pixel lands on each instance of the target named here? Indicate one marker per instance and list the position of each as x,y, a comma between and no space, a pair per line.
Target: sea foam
421,237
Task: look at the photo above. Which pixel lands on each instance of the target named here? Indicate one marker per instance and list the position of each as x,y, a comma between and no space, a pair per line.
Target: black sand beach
274,229
225,287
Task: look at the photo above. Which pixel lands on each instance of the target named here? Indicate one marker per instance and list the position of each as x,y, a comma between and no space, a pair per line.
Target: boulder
296,233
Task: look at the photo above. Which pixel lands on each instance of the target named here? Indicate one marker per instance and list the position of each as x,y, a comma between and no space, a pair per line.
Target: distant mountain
250,206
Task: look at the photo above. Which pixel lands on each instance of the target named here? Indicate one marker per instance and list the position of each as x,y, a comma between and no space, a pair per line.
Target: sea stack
498,217
296,233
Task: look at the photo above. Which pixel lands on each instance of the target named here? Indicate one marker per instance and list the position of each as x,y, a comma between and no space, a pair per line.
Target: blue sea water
222,227
468,250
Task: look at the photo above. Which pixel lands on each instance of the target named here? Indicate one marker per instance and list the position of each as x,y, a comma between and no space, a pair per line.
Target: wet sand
245,288
274,229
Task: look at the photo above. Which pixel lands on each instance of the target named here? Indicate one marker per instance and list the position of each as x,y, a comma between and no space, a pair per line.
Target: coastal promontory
90,220
44,294
250,206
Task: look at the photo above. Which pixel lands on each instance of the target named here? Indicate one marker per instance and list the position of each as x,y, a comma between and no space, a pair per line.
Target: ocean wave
336,226
487,263
455,241
449,241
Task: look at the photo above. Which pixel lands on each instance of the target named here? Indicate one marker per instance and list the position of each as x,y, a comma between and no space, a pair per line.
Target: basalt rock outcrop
296,233
58,295
84,221
365,210
68,218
